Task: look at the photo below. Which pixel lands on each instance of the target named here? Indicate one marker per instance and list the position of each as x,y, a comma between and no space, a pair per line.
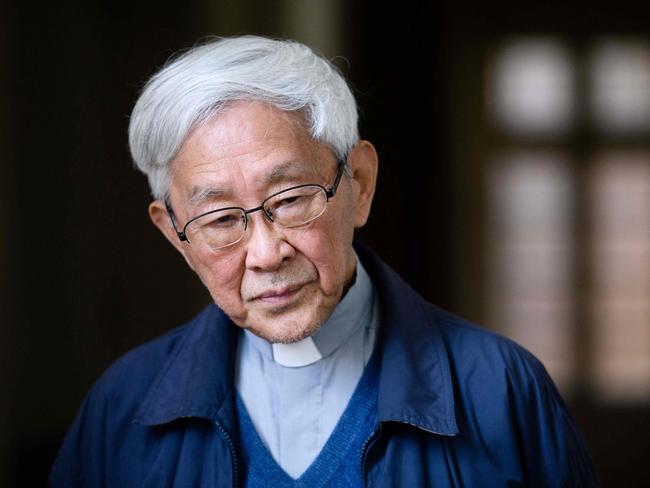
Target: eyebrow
200,194
284,171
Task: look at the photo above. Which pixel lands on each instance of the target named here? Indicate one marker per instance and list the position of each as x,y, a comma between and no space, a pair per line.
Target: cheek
222,277
328,248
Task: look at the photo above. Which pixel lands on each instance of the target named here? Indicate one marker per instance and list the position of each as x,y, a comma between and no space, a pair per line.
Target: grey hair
197,85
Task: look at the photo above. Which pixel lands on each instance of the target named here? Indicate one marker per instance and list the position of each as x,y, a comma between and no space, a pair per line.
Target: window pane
620,253
530,266
620,80
531,88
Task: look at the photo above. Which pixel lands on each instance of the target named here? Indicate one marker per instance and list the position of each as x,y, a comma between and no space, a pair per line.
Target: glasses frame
329,193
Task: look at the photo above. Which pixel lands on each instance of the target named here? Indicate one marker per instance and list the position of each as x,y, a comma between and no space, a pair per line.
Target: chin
286,332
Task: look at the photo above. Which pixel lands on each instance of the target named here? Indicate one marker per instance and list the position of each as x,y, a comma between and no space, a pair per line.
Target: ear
363,161
161,219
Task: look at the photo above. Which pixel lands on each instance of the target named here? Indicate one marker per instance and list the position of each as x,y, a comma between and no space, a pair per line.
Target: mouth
279,296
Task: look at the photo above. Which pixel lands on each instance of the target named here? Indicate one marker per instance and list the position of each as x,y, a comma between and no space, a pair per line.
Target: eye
288,200
222,220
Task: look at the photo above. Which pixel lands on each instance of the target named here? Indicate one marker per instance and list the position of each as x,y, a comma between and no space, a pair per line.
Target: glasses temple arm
170,212
332,191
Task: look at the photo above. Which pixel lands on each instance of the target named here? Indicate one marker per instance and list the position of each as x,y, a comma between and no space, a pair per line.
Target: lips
280,287
279,294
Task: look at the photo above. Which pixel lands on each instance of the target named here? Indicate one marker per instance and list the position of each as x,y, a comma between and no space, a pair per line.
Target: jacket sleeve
79,461
552,452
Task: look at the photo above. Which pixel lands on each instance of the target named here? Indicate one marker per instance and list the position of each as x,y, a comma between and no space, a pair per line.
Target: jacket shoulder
109,407
121,388
505,396
471,346
133,372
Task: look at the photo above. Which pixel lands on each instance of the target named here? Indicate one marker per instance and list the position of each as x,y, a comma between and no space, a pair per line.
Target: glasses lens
217,229
296,206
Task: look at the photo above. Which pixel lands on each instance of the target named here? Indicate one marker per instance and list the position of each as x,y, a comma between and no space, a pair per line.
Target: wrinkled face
280,283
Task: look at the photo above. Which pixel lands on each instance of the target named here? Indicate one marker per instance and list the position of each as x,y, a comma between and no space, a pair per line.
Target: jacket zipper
369,442
233,454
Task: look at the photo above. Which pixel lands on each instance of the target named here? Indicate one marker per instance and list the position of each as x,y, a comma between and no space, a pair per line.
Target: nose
266,245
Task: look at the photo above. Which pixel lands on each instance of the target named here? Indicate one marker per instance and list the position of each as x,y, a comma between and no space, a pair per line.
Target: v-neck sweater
339,464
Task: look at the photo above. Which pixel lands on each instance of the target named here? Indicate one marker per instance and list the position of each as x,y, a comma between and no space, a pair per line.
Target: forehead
247,143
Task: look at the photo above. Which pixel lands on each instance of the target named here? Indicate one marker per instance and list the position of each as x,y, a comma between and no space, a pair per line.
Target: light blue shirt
295,394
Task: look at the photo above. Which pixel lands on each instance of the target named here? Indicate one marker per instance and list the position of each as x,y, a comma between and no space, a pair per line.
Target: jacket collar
415,382
197,378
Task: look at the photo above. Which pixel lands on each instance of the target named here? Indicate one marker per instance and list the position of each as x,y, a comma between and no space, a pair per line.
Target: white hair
196,85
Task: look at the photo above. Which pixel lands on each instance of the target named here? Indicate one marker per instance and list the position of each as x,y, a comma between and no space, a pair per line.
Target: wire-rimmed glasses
293,207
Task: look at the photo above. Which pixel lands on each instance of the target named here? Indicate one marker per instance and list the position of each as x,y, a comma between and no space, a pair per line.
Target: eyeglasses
290,208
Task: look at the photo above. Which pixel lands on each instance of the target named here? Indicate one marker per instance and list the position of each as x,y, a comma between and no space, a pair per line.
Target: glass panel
530,258
620,81
620,254
531,88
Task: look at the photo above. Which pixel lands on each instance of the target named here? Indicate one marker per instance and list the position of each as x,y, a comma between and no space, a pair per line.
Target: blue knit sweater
339,464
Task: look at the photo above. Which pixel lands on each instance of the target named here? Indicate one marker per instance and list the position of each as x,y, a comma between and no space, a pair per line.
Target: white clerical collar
350,314
296,354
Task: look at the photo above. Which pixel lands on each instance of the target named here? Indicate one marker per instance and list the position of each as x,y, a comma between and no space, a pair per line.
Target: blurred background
514,190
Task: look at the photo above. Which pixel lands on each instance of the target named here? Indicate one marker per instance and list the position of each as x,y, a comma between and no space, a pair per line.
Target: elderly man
316,366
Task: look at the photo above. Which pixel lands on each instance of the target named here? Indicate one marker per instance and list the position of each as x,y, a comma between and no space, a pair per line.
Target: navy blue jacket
457,406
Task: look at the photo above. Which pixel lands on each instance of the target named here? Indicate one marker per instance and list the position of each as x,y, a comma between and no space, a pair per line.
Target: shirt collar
349,315
415,385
